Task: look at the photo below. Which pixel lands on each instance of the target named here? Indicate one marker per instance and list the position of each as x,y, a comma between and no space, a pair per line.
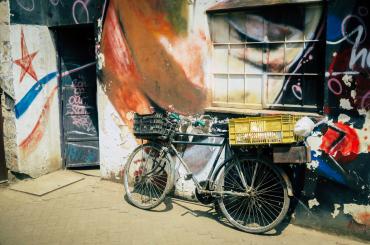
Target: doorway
77,93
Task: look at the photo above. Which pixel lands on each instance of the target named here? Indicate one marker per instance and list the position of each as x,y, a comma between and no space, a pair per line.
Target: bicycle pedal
188,176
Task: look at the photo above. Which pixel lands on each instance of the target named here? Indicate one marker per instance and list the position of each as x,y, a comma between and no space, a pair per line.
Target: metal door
76,51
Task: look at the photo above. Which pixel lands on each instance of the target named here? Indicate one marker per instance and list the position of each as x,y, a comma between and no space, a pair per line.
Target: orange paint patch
363,218
120,73
138,68
30,143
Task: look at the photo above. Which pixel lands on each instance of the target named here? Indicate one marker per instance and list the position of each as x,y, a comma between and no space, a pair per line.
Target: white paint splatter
336,210
101,61
347,79
345,104
343,118
362,112
100,22
100,25
116,140
313,165
353,94
314,141
312,203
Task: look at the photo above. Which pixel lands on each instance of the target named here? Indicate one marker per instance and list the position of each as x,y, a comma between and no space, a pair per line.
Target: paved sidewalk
93,211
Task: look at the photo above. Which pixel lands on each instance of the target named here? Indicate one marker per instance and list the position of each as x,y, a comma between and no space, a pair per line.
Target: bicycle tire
268,200
147,177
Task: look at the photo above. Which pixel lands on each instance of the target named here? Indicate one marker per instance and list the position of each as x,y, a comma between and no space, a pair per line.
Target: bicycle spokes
253,195
147,176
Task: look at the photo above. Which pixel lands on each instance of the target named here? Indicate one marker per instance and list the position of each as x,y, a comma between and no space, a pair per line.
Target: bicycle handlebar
176,117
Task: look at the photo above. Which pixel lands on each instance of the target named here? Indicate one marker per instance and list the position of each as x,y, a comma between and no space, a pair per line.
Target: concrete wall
6,81
115,139
36,93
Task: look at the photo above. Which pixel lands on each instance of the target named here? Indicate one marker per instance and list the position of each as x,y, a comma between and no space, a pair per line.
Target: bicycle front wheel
254,196
148,175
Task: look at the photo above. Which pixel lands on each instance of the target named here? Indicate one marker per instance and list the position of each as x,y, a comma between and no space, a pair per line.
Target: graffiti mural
196,57
36,108
153,62
168,63
341,150
150,59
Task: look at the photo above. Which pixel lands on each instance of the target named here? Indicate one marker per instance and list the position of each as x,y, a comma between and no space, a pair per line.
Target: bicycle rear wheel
148,176
254,196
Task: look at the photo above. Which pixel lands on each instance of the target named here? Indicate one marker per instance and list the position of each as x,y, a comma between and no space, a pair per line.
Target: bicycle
251,192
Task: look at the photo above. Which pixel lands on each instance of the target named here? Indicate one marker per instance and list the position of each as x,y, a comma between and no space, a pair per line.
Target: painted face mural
279,42
156,53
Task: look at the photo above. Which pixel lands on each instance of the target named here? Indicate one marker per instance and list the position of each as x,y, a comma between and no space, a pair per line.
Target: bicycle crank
203,196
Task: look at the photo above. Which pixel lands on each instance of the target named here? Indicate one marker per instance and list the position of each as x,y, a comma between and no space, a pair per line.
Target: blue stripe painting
22,106
326,170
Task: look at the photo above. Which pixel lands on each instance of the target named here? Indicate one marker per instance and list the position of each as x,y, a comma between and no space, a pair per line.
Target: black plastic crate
154,125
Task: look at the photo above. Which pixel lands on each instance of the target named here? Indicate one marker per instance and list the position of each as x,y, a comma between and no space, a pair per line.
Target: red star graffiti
26,61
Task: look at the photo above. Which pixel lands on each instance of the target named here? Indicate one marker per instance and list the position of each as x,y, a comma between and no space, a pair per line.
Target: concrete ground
93,211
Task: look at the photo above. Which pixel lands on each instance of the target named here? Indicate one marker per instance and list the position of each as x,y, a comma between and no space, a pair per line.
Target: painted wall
128,83
36,95
171,54
36,147
148,58
341,198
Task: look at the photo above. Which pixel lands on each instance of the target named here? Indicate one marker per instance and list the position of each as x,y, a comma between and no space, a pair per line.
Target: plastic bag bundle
304,127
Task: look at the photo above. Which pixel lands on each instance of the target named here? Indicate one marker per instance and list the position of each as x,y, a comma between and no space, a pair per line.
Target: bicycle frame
224,145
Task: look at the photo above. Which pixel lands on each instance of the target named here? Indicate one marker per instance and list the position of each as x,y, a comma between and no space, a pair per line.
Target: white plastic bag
304,127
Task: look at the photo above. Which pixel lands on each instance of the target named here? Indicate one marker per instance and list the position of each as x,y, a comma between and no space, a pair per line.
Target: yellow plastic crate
275,129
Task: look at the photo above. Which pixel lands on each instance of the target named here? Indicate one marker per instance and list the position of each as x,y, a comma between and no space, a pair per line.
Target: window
268,57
